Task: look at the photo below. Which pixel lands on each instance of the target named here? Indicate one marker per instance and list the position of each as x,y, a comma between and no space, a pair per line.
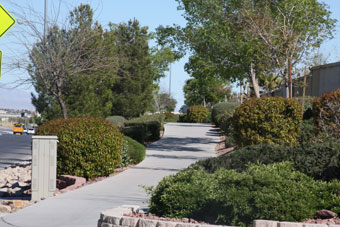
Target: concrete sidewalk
181,145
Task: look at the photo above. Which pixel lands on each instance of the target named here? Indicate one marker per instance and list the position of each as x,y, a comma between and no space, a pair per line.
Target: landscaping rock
325,214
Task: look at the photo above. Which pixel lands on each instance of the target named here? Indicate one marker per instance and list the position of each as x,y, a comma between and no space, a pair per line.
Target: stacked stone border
115,218
265,223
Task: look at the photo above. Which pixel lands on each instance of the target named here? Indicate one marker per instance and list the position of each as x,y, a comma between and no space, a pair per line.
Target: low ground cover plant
88,147
272,192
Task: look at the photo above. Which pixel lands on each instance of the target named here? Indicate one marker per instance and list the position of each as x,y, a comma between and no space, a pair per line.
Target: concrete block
264,223
315,225
289,224
166,224
129,221
147,223
180,224
134,208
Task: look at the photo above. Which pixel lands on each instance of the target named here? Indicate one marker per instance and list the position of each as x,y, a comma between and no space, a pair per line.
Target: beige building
323,78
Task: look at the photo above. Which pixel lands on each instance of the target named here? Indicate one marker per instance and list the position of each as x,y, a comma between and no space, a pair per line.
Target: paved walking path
181,145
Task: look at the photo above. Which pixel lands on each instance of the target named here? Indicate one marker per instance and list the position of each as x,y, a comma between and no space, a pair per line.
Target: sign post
6,22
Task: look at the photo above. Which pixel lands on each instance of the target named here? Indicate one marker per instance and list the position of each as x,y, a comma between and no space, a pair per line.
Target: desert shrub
272,192
116,120
273,120
197,114
239,159
221,108
88,147
319,160
326,113
135,151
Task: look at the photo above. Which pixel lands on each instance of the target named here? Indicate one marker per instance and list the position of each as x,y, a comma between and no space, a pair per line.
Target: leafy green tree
240,39
205,90
163,102
289,29
132,90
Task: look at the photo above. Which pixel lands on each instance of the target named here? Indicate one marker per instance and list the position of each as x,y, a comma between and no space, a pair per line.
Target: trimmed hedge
271,192
116,120
273,120
326,113
144,129
136,151
197,114
132,153
88,147
222,108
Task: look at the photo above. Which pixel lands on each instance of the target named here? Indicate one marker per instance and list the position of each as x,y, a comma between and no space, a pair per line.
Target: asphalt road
13,148
181,145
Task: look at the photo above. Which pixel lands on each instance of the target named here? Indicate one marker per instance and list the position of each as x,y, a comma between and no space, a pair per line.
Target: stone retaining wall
265,223
115,218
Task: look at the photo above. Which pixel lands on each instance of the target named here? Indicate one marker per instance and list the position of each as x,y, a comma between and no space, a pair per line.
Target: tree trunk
254,81
290,83
62,106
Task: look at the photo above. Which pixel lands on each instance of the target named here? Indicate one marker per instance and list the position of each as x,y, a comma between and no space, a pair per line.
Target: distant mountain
15,99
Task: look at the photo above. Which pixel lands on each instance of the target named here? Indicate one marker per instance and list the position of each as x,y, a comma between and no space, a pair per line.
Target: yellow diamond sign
6,21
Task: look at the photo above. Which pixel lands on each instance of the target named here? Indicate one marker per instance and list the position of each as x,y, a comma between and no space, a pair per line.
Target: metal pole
45,20
170,82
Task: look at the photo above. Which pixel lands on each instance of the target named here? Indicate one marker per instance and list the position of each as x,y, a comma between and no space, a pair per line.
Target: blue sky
151,13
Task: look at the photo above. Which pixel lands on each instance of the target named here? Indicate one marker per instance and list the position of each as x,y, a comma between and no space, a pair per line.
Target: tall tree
225,36
133,89
69,53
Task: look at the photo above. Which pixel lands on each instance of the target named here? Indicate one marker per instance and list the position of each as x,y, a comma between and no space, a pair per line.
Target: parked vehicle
18,128
31,129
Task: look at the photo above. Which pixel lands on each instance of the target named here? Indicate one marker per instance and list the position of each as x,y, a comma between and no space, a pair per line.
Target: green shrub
225,124
133,152
117,120
221,108
308,132
183,118
326,113
171,117
308,102
319,160
144,129
135,131
272,192
146,118
272,120
88,147
197,114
